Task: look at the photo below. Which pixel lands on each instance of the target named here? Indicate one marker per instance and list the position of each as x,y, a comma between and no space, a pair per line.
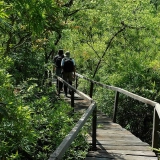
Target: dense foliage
36,124
114,42
121,42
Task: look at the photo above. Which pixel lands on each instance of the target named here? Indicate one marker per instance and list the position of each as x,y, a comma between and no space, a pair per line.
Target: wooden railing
93,110
117,90
59,152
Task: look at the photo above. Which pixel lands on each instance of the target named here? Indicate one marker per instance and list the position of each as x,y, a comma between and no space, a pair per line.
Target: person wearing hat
58,69
68,70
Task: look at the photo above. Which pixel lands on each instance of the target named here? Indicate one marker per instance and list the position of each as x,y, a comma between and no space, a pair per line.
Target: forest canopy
113,42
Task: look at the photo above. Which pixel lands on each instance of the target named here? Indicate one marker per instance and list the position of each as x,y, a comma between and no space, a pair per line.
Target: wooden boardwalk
113,141
116,143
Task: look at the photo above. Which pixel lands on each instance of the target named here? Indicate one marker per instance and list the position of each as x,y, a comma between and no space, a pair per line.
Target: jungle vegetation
114,42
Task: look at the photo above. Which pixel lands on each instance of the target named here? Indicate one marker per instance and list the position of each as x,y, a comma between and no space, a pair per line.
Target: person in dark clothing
68,66
58,69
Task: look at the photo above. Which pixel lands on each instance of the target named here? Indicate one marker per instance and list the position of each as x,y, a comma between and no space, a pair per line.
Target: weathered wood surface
116,143
113,141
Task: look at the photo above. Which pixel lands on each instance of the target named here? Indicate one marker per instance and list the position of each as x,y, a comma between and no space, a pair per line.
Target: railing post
155,130
115,106
58,88
76,82
91,90
94,128
72,99
94,122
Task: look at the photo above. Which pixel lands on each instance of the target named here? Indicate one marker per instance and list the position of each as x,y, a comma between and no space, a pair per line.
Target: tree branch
107,47
94,50
22,41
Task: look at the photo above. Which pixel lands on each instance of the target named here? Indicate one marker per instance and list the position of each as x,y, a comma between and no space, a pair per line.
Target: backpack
58,61
68,65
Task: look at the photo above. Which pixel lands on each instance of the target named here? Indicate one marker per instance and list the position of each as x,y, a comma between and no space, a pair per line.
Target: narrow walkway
113,141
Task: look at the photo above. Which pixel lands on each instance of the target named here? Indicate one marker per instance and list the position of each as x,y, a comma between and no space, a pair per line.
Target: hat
67,54
60,52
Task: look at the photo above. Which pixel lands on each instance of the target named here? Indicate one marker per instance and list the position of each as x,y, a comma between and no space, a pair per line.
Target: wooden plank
115,142
113,131
109,128
95,158
121,143
108,123
106,138
123,152
111,155
122,157
132,148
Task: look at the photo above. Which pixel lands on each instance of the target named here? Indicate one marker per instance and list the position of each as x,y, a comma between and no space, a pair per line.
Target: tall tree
112,28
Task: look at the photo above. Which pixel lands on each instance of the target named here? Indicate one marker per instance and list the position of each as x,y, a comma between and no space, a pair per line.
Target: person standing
58,69
68,70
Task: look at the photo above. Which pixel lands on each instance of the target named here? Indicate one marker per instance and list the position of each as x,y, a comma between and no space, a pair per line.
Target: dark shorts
58,72
68,76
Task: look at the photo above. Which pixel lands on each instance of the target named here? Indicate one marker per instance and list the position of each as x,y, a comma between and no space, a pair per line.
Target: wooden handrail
59,152
74,132
156,116
86,97
92,109
129,94
157,107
